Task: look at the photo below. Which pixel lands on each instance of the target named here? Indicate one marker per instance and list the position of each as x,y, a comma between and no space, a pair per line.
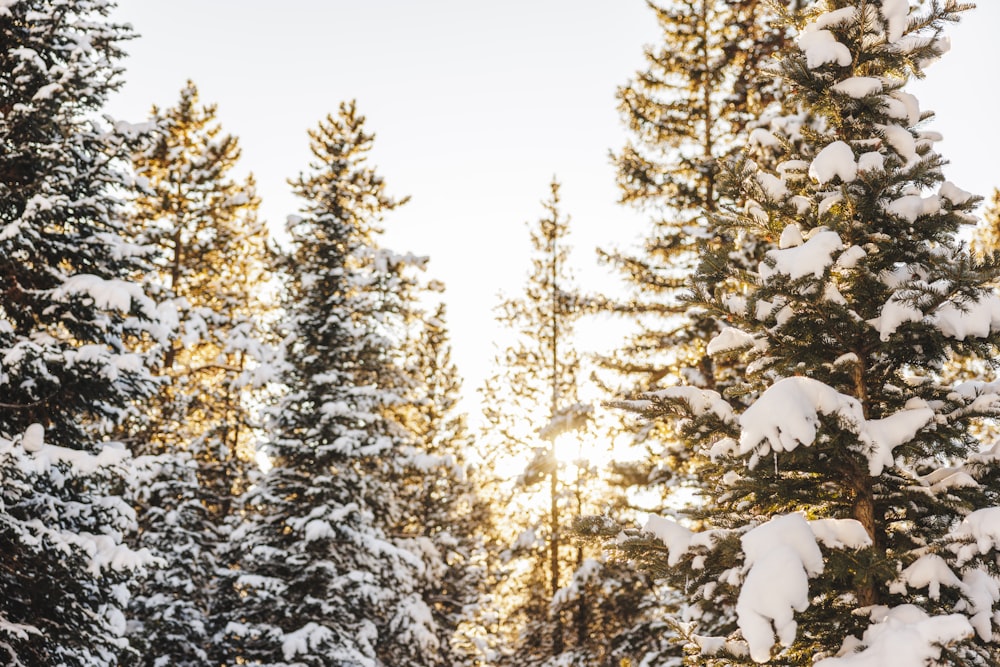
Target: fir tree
534,413
847,511
210,258
690,107
69,322
444,516
68,309
321,580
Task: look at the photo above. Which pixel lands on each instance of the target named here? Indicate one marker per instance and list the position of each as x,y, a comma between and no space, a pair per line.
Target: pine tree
847,512
321,581
70,320
693,105
443,514
534,412
210,258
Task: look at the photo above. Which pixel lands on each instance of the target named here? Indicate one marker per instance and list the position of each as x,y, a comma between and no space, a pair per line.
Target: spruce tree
444,516
70,320
320,581
695,102
848,512
210,259
534,413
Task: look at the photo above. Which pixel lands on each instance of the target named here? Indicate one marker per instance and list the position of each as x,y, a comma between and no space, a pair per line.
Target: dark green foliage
66,313
70,321
322,580
864,294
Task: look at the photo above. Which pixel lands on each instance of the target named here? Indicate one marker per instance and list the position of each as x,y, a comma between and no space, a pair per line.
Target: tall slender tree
210,263
321,579
849,511
444,517
692,106
69,321
534,413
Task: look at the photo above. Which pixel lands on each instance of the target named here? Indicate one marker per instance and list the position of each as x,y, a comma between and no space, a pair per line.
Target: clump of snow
840,533
850,257
981,593
977,319
699,401
959,321
954,194
730,339
107,294
781,555
33,438
788,414
911,207
791,236
871,162
930,571
895,12
820,46
903,636
902,106
839,17
836,159
761,137
858,87
772,186
979,533
901,140
676,537
812,257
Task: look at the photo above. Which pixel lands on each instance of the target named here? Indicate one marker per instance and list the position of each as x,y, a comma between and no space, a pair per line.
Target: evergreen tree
847,512
534,413
210,258
66,571
444,515
68,309
69,323
692,106
321,580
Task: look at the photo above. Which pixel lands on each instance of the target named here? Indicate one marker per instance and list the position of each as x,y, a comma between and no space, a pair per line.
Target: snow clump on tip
836,159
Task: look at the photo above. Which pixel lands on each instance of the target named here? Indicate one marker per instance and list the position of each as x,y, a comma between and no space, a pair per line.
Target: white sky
476,105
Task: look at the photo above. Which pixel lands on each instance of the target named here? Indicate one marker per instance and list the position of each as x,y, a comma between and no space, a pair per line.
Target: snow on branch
788,415
106,294
903,636
780,558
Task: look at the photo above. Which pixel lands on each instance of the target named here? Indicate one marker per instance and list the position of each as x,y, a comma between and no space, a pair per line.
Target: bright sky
475,106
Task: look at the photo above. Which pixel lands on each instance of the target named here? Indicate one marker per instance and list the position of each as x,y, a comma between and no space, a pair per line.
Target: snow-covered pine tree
210,262
321,581
852,515
692,105
211,259
69,318
444,516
